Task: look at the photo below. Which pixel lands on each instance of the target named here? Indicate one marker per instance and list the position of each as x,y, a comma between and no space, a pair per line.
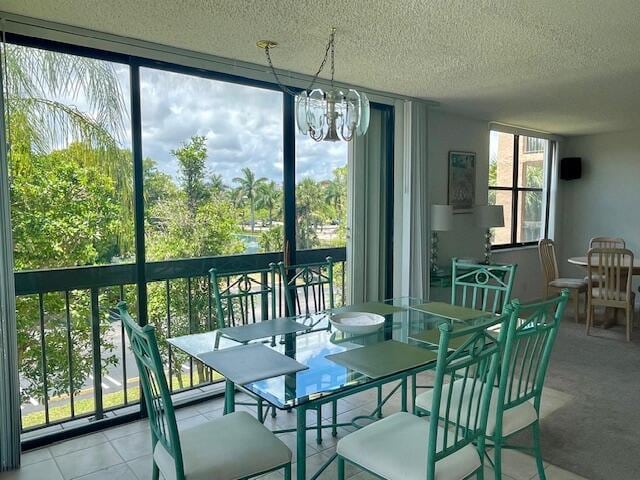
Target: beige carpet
594,430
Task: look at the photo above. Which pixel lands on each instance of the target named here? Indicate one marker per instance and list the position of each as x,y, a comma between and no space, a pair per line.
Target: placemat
382,359
249,363
265,329
452,312
371,307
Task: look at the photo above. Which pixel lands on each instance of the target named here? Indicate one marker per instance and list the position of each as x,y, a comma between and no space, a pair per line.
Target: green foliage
272,240
191,159
247,192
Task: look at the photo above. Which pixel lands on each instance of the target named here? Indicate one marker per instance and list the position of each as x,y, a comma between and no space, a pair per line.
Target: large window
518,181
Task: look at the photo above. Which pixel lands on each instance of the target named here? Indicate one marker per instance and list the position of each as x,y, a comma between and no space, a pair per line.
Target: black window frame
515,192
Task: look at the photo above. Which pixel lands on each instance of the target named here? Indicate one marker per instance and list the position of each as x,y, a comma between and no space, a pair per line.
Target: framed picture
462,181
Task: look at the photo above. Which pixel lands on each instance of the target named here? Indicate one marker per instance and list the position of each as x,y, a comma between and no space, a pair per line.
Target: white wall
606,200
453,132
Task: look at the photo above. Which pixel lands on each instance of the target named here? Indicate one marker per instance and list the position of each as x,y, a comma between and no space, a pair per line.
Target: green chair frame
236,297
475,362
305,286
525,360
157,397
480,286
238,294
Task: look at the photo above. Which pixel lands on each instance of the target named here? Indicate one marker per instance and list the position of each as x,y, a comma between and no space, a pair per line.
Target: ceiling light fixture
330,115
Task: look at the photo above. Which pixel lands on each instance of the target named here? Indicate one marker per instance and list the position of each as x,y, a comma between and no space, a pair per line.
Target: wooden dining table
583,262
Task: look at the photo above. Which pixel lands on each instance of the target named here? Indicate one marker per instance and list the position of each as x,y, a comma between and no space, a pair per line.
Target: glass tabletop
325,376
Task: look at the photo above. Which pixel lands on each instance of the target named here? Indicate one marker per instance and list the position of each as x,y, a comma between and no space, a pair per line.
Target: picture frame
462,181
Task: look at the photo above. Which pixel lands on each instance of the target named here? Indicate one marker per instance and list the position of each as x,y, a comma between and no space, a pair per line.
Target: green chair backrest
162,419
480,286
528,347
308,288
243,297
473,365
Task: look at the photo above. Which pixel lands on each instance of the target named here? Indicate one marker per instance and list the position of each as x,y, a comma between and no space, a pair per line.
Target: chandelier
330,115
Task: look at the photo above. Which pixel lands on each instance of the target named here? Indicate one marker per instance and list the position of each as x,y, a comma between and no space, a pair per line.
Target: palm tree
216,183
247,191
268,197
41,87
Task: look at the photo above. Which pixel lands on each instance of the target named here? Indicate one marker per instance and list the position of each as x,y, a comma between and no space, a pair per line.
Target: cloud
243,126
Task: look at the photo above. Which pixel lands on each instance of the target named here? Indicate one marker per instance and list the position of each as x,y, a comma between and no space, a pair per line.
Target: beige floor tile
133,446
79,443
119,472
89,460
45,469
141,467
518,465
127,429
35,456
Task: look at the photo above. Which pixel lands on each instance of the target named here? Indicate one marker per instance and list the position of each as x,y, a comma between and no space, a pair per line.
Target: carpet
596,433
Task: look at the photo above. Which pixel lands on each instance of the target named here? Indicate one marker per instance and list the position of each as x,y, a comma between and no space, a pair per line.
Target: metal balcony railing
75,361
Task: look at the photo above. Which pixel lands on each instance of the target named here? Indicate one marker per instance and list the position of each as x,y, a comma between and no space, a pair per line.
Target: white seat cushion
513,420
395,448
227,448
577,283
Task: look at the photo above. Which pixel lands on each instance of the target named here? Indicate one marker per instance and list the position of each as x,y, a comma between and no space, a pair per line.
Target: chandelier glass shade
332,115
326,115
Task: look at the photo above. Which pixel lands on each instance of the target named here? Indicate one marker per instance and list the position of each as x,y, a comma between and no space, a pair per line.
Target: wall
448,132
606,200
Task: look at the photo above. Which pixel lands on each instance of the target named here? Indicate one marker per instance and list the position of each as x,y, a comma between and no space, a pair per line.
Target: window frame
516,190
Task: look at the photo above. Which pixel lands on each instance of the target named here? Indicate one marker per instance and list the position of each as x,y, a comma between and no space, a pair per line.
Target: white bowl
359,323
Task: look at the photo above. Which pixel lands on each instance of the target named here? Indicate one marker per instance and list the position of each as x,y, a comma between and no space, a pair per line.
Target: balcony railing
75,362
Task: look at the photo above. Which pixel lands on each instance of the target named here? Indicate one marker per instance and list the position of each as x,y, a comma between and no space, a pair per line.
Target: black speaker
570,168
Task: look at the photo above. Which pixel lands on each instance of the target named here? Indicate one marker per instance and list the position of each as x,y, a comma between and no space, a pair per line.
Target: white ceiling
561,66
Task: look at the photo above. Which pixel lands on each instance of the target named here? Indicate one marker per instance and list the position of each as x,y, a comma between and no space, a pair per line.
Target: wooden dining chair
604,242
613,267
553,283
227,448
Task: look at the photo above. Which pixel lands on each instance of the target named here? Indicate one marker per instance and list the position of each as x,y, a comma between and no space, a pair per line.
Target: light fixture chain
273,70
332,42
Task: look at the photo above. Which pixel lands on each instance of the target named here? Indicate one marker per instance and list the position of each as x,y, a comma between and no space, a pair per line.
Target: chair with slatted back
612,267
406,446
242,298
228,448
480,286
604,242
515,401
552,280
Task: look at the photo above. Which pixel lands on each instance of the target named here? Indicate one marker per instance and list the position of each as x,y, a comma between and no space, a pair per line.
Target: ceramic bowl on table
357,323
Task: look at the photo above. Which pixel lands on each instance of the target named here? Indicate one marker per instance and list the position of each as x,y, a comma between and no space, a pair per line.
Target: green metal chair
405,446
232,447
478,286
483,287
307,288
515,404
242,298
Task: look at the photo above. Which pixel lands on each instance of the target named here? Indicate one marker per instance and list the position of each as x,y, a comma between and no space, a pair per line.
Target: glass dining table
331,363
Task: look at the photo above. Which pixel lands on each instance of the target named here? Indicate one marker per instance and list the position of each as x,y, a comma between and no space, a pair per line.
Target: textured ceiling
562,66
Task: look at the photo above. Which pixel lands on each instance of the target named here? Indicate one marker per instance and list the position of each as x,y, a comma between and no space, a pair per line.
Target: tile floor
124,452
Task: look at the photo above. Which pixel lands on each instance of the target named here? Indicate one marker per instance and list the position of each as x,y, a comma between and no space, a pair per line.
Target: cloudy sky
243,127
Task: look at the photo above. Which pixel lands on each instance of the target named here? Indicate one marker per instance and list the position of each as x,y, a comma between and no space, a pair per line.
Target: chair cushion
513,419
577,283
395,448
227,448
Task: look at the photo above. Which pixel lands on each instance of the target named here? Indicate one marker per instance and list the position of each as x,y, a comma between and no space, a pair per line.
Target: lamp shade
489,216
441,217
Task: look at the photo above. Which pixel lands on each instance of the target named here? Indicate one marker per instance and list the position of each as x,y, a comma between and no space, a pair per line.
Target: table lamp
441,221
488,217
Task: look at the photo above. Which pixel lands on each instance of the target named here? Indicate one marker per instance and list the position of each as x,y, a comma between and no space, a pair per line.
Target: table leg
229,397
301,444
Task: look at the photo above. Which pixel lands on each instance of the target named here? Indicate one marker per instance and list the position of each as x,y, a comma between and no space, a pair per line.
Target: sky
242,124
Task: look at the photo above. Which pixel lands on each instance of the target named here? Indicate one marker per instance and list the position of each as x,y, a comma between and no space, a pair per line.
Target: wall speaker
570,168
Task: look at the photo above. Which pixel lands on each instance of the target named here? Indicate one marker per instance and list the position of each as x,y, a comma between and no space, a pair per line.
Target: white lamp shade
489,216
441,217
